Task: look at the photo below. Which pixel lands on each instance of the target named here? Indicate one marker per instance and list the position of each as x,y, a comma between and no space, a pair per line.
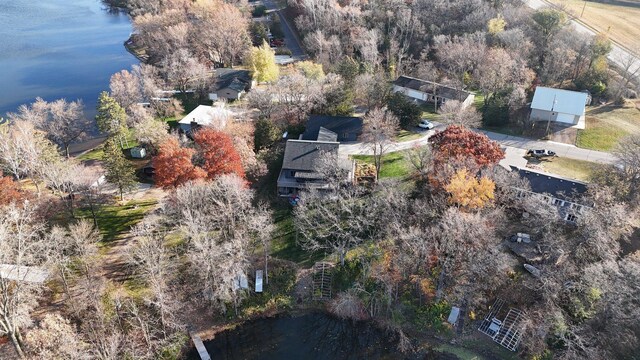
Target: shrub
259,11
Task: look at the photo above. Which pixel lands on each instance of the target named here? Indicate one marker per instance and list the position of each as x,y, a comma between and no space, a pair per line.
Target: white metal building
559,106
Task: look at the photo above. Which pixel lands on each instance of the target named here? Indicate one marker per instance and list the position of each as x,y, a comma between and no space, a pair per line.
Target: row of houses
563,107
323,135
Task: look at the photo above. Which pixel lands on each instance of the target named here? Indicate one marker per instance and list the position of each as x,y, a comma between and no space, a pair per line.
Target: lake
59,49
310,336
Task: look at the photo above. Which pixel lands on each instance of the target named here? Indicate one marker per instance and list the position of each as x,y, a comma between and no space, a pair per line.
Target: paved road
618,55
563,150
291,40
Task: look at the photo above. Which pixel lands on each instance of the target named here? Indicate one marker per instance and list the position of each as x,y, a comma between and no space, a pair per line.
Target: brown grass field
622,23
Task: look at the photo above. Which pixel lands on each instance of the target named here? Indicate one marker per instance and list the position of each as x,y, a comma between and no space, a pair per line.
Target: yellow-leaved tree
262,61
469,192
496,25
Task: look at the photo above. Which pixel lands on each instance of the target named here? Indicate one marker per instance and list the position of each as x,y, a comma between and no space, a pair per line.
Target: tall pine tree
111,117
120,171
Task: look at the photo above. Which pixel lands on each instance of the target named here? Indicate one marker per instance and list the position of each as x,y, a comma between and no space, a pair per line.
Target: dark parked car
541,153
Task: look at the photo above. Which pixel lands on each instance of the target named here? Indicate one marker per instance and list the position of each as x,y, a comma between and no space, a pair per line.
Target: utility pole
585,5
551,113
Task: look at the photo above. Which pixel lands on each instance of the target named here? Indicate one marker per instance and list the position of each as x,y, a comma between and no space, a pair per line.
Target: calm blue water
59,49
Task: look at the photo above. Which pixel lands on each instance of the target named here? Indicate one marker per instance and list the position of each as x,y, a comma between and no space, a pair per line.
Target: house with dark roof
559,191
300,166
232,84
431,92
333,128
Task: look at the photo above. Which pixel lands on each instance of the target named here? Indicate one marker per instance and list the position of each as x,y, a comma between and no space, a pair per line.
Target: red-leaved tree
173,165
459,144
10,191
459,148
217,151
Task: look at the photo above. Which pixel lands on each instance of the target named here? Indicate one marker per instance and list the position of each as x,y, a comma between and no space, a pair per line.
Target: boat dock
202,351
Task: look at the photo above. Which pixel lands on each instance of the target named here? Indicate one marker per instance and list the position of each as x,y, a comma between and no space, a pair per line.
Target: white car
426,124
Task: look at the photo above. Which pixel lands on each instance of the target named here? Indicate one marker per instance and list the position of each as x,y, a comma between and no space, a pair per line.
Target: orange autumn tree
457,143
173,165
468,192
10,191
218,153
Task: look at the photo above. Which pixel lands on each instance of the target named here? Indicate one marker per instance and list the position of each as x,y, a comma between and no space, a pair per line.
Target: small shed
138,153
258,281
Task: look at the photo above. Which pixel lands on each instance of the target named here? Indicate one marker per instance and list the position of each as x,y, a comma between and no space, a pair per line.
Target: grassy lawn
284,246
406,135
606,125
394,165
620,22
506,129
98,153
478,102
570,168
114,220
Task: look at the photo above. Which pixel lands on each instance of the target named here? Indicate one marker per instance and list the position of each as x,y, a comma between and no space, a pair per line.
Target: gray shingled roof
303,155
558,187
235,79
427,86
327,135
335,124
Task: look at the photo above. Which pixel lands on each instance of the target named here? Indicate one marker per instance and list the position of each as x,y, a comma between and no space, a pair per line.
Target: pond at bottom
311,336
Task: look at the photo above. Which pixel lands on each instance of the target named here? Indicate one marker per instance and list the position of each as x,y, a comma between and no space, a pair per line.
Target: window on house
558,202
571,218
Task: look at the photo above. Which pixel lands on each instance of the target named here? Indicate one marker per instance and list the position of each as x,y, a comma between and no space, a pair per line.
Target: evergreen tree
111,117
120,171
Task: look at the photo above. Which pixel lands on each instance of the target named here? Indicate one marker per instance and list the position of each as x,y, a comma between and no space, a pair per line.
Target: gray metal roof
303,155
425,86
566,102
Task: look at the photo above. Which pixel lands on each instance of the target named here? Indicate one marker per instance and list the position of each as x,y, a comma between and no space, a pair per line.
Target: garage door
565,118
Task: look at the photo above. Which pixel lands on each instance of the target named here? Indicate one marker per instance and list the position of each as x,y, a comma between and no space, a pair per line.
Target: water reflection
59,48
311,336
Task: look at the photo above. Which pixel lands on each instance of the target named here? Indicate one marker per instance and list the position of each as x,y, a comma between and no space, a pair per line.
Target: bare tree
63,122
152,260
125,88
454,112
25,151
420,159
151,132
380,126
372,89
467,250
629,72
183,70
21,244
335,221
459,55
55,338
222,30
220,223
